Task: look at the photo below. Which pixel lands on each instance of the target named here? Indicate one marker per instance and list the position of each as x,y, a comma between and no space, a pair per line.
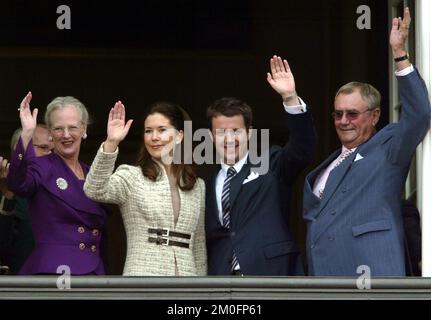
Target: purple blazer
67,226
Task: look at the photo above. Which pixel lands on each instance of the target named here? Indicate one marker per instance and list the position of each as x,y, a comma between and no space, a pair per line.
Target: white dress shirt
301,108
405,71
320,182
221,176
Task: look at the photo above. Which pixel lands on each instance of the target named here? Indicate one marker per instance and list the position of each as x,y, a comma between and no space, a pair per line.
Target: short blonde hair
61,102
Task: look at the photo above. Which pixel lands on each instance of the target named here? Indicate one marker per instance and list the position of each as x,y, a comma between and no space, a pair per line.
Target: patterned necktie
225,197
342,157
225,203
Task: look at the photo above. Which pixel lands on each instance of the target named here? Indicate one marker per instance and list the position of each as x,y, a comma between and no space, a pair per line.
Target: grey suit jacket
358,221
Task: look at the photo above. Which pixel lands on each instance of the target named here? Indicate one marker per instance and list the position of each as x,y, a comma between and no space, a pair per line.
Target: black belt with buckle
167,242
166,232
163,237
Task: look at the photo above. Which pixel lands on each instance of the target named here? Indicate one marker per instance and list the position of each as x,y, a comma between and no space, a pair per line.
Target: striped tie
225,197
225,203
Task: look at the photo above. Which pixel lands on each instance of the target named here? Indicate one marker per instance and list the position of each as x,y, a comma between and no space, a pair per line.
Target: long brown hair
184,173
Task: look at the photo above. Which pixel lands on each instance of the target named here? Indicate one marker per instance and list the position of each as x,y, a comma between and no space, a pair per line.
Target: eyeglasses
58,131
350,114
45,148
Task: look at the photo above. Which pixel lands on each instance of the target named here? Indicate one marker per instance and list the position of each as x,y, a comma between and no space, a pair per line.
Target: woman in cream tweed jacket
152,204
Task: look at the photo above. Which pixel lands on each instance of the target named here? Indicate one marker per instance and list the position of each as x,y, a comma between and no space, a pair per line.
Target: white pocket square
251,176
358,157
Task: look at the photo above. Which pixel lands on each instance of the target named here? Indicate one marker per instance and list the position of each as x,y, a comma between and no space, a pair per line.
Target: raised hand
28,118
400,33
4,171
117,127
4,168
281,79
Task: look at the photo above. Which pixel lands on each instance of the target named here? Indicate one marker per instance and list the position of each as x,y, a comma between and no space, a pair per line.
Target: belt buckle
165,236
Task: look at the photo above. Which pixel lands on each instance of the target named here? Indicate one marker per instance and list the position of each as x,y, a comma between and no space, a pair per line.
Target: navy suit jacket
358,221
259,231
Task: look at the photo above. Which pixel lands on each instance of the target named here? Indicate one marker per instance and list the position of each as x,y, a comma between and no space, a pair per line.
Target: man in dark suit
352,202
247,206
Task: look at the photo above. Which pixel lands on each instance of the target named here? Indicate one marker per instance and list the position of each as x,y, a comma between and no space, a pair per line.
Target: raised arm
28,120
398,38
415,105
282,81
25,173
117,127
290,160
101,184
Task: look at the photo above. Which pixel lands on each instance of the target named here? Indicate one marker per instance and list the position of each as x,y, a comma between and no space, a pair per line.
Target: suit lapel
335,178
312,176
65,185
235,188
236,183
310,199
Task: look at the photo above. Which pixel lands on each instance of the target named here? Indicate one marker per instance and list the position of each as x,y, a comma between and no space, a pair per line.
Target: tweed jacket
146,204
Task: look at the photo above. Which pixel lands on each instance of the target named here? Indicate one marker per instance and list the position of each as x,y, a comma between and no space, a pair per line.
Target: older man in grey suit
352,201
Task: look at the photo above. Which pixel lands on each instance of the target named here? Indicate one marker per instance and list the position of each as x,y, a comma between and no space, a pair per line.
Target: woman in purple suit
67,225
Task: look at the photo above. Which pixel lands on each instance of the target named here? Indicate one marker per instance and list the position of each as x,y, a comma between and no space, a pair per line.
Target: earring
84,136
50,138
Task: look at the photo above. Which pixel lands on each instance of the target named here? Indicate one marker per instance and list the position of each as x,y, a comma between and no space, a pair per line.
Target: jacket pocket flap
279,249
379,225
